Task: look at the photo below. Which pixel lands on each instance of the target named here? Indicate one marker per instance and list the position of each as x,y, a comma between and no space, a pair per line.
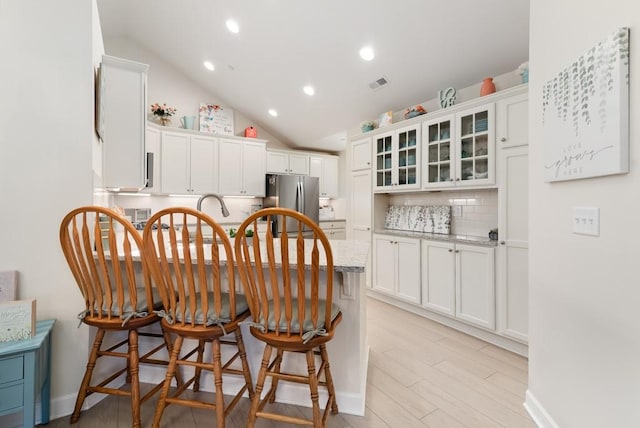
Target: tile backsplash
474,212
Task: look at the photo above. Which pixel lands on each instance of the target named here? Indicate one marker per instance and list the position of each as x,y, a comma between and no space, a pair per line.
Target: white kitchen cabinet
475,285
458,280
397,160
282,162
438,277
396,267
513,251
122,123
334,229
459,150
152,143
326,169
361,205
512,121
361,154
242,168
188,163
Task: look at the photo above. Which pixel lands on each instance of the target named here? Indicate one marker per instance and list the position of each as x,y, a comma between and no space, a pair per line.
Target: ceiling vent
379,83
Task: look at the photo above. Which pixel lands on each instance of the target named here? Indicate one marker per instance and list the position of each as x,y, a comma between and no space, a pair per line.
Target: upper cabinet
460,149
326,169
188,163
243,166
281,162
361,154
512,121
121,122
397,160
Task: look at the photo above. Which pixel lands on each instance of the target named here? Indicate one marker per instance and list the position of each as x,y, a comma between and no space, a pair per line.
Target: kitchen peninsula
348,349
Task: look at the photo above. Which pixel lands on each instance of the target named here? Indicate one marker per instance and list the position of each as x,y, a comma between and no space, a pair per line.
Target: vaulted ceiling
420,46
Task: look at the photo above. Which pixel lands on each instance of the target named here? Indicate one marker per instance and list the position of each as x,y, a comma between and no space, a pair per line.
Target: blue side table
25,373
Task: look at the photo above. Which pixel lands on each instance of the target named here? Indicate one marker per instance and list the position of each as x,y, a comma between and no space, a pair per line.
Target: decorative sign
447,97
586,113
17,320
216,119
8,285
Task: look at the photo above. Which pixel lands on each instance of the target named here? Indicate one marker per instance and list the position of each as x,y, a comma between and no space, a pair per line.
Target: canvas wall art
586,113
216,119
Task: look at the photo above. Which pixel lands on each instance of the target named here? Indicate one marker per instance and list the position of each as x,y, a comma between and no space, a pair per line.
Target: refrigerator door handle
301,186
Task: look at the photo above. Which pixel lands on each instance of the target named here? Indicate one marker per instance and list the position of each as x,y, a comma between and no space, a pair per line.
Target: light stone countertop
456,239
348,255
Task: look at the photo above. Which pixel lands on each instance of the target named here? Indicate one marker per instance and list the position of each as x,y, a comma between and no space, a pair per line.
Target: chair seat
212,317
307,324
128,309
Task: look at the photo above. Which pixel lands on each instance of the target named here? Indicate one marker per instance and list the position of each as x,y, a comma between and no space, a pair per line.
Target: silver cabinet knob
503,139
502,242
450,250
457,251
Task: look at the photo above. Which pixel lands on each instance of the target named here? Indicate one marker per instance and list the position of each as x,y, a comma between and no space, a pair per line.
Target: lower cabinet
334,229
459,280
396,267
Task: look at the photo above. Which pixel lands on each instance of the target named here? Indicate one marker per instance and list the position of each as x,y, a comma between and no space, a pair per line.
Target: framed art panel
586,113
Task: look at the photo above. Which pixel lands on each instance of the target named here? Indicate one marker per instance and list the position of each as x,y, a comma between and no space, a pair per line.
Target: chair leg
167,342
329,379
133,374
245,363
171,369
275,381
217,376
198,371
255,402
313,387
84,385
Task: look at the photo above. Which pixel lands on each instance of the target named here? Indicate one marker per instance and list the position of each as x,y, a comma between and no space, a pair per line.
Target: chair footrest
284,418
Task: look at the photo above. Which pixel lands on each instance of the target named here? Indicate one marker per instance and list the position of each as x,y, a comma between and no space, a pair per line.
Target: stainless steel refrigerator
298,192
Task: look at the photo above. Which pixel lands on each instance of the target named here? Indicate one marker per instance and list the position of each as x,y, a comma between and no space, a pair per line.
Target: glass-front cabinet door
475,146
408,157
437,152
384,166
397,159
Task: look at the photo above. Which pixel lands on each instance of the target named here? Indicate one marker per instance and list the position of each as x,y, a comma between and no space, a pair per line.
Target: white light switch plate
586,221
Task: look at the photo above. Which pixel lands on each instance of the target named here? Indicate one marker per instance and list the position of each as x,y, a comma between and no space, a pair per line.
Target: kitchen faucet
225,211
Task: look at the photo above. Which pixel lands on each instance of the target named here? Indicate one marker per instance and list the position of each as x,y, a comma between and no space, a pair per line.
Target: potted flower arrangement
523,71
367,125
163,111
414,111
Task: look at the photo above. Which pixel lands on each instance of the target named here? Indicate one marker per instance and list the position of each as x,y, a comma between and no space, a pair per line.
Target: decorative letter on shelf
586,113
17,320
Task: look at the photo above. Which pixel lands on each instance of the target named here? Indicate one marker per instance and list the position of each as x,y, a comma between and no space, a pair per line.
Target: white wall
46,142
168,85
584,341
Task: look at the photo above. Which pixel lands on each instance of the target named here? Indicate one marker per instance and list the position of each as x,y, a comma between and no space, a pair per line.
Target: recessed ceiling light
367,53
273,112
309,90
232,25
209,65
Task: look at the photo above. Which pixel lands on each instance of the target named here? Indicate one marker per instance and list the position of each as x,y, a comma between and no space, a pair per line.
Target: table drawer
11,397
11,369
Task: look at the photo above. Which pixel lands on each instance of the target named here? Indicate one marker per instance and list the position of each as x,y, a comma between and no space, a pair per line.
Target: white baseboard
538,413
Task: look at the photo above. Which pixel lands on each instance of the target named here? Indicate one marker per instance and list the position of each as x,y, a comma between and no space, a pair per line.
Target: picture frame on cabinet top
385,119
216,119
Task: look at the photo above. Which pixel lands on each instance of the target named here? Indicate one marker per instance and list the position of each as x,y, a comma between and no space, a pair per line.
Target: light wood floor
426,375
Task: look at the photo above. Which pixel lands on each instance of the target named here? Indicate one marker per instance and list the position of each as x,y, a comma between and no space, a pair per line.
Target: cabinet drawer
328,225
11,397
11,369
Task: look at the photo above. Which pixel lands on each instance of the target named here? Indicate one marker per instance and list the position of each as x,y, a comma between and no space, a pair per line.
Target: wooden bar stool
191,262
290,310
117,298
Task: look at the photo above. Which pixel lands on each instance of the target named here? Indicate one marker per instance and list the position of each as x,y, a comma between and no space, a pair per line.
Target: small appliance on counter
327,213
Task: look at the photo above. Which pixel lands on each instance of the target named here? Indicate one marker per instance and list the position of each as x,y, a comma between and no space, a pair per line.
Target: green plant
248,233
